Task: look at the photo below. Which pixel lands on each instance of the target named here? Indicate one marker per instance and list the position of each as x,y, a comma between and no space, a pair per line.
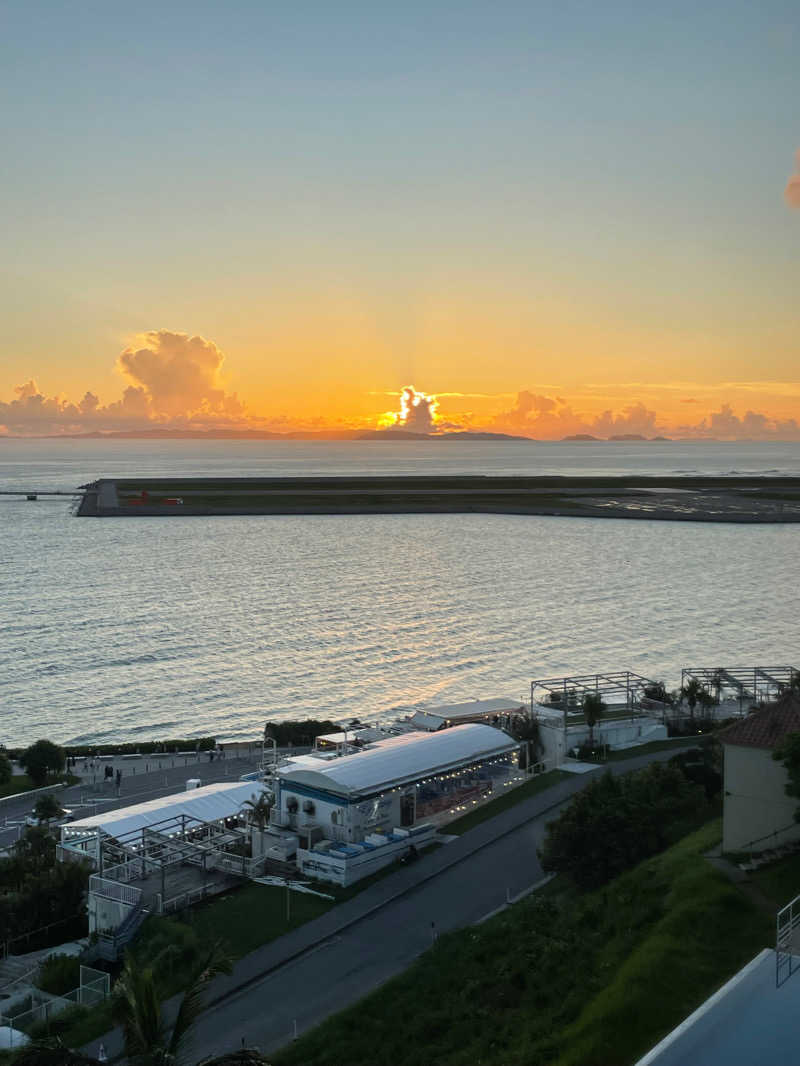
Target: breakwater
676,498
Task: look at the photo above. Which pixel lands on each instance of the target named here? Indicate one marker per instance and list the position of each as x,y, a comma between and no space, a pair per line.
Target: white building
757,813
394,782
497,712
357,812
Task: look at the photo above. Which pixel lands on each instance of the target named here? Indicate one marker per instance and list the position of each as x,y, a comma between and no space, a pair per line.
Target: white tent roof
468,710
208,803
399,760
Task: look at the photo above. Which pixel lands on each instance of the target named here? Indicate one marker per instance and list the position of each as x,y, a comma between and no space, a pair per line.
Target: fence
113,889
40,1007
787,923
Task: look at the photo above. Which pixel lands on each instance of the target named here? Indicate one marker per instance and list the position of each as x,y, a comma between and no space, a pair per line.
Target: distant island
393,433
584,437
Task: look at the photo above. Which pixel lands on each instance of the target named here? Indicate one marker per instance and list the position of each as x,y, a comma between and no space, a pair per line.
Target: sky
550,217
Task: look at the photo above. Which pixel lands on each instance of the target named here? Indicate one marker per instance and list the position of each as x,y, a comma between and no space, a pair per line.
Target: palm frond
216,962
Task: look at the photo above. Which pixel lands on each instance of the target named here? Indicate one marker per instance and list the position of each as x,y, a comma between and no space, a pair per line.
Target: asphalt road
346,967
341,969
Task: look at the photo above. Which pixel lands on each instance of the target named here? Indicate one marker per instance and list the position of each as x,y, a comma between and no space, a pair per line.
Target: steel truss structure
617,689
754,684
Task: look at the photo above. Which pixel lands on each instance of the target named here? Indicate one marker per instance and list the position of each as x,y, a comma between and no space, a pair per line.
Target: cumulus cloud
417,411
175,383
548,418
792,190
180,375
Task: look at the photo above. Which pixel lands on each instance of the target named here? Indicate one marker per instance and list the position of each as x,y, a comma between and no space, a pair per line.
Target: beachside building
157,856
757,813
497,712
357,812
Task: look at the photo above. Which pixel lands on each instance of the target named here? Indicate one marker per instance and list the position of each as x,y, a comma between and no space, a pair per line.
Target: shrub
42,758
616,822
5,768
59,974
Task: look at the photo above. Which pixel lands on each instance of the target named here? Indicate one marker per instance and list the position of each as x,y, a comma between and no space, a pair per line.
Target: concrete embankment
704,499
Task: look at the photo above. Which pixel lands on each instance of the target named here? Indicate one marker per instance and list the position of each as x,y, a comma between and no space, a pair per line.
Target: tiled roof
768,727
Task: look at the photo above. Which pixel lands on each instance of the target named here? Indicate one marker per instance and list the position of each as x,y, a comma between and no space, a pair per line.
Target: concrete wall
755,801
615,734
105,914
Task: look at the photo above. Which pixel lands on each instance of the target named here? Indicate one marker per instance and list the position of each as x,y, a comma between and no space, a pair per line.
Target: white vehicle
60,819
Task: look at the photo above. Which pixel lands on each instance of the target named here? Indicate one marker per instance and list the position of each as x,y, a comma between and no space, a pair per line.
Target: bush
5,769
59,974
41,759
616,822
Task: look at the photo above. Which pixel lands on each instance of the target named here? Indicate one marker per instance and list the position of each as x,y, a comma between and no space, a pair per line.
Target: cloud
549,418
175,383
180,375
792,191
417,411
754,424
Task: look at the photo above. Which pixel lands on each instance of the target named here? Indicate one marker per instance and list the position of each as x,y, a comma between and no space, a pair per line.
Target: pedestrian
101,1054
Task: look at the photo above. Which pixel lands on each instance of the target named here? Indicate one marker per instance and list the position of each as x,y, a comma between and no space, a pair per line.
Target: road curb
34,791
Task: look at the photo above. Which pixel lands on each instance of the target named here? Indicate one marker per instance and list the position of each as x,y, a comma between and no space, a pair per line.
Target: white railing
787,923
122,893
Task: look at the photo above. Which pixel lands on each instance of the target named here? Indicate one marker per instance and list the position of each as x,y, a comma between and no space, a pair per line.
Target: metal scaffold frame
619,688
757,684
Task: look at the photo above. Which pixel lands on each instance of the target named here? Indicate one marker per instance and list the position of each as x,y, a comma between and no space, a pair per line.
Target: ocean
151,627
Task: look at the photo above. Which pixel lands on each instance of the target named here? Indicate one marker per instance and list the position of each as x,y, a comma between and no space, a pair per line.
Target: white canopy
399,760
210,803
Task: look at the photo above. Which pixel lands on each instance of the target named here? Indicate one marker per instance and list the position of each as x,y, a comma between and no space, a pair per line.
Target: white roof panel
399,760
208,803
473,707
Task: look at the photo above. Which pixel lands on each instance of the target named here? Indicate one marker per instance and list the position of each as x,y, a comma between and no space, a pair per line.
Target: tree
789,754
47,807
593,710
6,770
616,822
525,728
258,810
691,693
149,1041
40,759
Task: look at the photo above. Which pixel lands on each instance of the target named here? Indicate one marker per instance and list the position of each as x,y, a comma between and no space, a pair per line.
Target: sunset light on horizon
545,221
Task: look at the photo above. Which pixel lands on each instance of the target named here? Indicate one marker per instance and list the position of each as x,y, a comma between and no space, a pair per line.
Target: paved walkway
331,962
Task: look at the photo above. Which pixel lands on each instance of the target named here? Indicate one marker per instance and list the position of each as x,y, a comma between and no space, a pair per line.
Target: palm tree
149,1040
593,710
259,809
691,691
526,730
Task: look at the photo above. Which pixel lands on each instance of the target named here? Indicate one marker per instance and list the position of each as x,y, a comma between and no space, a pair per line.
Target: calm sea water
154,627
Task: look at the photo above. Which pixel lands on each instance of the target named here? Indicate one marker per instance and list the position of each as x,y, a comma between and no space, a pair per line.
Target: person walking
101,1054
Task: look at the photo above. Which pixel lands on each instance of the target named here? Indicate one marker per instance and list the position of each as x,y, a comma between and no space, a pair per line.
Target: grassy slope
592,980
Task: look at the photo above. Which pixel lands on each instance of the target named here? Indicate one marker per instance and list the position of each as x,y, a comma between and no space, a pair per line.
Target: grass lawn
571,979
252,915
507,799
780,881
22,783
654,745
